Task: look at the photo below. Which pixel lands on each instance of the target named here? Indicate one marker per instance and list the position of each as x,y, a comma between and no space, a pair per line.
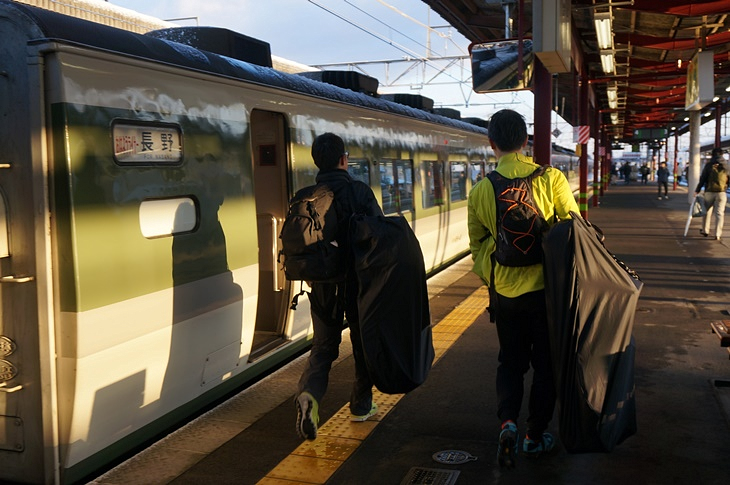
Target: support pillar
693,173
541,144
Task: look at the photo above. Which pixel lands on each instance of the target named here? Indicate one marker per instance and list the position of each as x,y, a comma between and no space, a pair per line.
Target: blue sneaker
307,416
534,449
507,448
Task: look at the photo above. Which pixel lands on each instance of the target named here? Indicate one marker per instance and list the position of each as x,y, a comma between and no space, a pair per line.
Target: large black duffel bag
395,320
591,300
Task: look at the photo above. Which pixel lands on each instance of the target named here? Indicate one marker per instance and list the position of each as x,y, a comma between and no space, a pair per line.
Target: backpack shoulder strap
539,171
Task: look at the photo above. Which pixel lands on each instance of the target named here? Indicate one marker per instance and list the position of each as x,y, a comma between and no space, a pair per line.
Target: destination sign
141,143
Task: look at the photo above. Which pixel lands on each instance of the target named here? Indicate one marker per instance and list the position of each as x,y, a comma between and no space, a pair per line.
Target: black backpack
520,223
310,251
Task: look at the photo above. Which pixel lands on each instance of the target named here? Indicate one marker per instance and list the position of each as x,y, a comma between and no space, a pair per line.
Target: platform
682,388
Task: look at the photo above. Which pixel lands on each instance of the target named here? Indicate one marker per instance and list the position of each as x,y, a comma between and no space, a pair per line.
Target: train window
140,143
359,169
476,172
458,181
167,217
396,185
432,183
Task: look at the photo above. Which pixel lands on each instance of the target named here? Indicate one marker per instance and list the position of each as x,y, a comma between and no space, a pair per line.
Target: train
143,182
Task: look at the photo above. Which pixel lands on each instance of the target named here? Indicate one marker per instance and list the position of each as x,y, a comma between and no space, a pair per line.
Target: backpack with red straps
520,223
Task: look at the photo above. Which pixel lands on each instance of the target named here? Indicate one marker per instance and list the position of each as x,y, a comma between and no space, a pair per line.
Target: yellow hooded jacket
551,193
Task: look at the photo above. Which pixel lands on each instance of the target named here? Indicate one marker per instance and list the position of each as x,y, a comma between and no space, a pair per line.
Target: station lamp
612,94
607,61
602,21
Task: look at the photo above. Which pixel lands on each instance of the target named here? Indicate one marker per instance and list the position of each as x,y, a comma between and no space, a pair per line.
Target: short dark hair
717,153
327,150
508,130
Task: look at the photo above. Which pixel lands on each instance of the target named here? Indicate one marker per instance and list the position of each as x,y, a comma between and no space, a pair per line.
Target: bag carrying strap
295,299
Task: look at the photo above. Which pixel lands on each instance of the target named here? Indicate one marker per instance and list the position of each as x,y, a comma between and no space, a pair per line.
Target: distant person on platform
714,179
626,172
644,170
517,301
662,178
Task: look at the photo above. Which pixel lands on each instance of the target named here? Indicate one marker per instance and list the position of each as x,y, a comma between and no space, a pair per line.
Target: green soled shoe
364,417
534,449
307,416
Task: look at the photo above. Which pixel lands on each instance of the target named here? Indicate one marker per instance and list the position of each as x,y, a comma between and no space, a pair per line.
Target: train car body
142,184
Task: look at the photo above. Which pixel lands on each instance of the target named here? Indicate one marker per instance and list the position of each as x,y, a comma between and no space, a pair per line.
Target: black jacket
350,196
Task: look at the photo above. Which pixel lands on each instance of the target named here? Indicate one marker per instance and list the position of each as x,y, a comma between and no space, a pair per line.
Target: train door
268,143
28,431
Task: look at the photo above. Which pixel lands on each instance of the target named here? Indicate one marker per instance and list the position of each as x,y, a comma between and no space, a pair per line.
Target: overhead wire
418,22
382,38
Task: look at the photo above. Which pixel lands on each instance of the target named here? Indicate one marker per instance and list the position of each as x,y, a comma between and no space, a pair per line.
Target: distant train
142,185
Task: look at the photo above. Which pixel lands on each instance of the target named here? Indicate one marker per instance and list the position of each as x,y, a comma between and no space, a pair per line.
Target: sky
317,32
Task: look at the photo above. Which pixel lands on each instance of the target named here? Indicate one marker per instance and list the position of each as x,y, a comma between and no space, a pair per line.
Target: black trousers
523,342
330,303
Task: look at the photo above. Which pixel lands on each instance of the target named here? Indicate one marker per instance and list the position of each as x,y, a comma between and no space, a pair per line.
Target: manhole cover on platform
430,476
453,457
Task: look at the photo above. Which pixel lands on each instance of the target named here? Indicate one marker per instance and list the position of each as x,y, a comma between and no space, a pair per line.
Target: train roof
66,29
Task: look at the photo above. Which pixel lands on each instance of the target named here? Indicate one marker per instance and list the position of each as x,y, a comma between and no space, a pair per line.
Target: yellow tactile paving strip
314,462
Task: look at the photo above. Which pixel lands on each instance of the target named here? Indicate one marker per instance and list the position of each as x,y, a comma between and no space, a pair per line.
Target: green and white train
142,184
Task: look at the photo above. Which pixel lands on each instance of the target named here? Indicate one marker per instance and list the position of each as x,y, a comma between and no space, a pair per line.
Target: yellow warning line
314,462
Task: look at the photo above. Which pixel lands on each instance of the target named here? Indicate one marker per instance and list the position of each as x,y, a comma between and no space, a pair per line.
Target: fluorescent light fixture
614,118
607,62
602,20
612,94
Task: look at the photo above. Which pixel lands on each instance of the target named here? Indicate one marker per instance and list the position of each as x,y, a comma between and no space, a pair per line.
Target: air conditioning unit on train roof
219,41
412,100
351,80
454,114
476,121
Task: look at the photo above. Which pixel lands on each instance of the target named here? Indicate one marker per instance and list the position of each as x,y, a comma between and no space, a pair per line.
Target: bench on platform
722,330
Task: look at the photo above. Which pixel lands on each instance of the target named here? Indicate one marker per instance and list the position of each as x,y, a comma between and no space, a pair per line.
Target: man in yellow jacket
517,296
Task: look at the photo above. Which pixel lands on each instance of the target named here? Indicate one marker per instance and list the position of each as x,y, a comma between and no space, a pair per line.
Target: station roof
653,42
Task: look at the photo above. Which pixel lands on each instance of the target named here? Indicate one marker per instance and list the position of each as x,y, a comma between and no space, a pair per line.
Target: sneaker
364,417
307,416
703,233
666,197
660,197
534,449
507,448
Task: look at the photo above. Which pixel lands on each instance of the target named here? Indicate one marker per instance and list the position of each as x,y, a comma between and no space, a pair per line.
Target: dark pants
666,187
524,341
330,303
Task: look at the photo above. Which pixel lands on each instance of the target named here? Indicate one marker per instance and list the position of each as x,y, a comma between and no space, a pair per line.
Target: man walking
517,295
331,302
714,179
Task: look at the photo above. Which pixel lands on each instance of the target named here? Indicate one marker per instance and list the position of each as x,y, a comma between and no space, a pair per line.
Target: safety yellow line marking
314,462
